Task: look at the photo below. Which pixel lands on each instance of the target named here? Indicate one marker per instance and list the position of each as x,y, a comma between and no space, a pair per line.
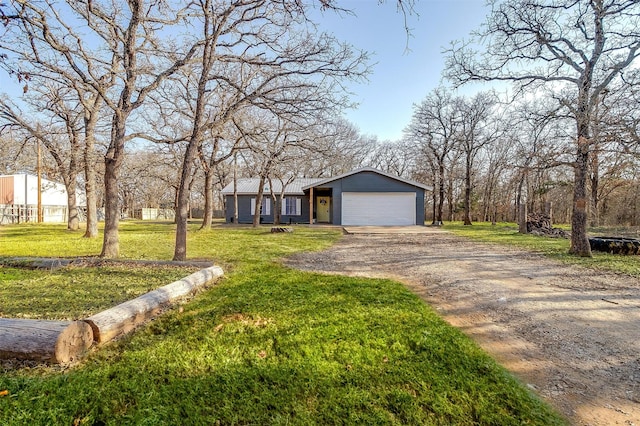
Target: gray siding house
294,208
361,197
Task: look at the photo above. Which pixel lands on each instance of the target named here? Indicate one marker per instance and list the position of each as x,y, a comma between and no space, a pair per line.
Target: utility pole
39,172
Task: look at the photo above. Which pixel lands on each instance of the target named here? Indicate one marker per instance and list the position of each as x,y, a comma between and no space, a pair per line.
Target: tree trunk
111,239
90,189
548,210
594,180
73,222
235,187
182,209
440,191
207,220
277,207
522,218
467,192
90,121
450,200
434,202
579,240
258,211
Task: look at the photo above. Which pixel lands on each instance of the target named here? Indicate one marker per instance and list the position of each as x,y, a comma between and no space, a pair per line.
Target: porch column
311,206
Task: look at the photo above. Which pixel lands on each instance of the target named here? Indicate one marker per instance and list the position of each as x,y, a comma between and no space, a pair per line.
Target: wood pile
615,245
540,224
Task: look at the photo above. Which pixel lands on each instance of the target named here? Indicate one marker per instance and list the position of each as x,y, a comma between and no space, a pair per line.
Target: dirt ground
570,334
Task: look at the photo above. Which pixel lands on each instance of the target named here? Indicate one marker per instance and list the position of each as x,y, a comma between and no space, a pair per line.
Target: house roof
320,182
249,186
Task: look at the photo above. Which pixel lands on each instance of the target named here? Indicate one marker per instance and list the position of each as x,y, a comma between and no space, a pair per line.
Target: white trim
297,207
266,206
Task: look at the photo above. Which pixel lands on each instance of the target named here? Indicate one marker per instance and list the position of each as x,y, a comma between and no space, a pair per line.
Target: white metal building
19,199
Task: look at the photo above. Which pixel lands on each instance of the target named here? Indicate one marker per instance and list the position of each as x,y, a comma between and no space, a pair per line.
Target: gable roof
249,186
320,182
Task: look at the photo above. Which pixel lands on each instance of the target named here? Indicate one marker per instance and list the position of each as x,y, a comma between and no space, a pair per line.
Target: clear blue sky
401,77
405,69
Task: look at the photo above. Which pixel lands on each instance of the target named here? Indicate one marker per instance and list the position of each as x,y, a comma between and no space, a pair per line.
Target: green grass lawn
78,292
267,345
557,248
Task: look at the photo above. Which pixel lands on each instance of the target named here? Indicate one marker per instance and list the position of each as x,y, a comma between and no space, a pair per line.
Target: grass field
267,345
557,248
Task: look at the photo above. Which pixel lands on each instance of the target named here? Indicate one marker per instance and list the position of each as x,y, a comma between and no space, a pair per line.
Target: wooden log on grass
276,229
124,317
59,342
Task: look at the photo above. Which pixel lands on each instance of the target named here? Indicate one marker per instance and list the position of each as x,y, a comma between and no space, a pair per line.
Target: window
292,206
265,209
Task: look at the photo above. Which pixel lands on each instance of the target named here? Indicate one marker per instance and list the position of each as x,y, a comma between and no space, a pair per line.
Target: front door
323,204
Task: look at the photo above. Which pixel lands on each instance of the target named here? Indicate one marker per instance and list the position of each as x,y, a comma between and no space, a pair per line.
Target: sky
406,69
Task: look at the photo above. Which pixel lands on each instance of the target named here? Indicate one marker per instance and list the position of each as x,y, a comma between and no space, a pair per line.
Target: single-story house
361,197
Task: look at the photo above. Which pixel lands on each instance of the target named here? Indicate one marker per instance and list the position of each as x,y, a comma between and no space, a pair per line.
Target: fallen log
615,245
59,342
124,317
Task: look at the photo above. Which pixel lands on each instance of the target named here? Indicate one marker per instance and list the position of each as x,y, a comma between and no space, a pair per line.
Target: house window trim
291,206
266,206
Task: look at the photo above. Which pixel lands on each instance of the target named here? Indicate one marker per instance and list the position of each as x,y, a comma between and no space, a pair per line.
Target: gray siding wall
371,182
420,216
245,215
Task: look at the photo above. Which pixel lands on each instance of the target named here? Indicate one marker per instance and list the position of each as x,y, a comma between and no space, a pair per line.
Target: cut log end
73,342
59,342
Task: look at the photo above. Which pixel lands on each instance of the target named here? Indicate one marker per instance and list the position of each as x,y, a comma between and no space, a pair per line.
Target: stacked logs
540,224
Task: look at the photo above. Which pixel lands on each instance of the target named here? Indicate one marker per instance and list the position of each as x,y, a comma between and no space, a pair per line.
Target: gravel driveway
571,334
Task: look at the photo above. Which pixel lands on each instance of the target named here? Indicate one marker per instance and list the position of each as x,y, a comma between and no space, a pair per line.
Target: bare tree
30,62
496,166
435,126
16,152
580,46
282,68
60,135
122,60
224,145
338,148
477,130
395,157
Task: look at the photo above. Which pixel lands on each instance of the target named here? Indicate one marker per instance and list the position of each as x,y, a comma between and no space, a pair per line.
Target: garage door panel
378,208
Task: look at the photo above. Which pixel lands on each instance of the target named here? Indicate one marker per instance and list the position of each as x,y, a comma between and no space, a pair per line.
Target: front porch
320,205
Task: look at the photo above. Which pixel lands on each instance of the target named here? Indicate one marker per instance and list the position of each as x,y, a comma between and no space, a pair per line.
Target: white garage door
378,208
